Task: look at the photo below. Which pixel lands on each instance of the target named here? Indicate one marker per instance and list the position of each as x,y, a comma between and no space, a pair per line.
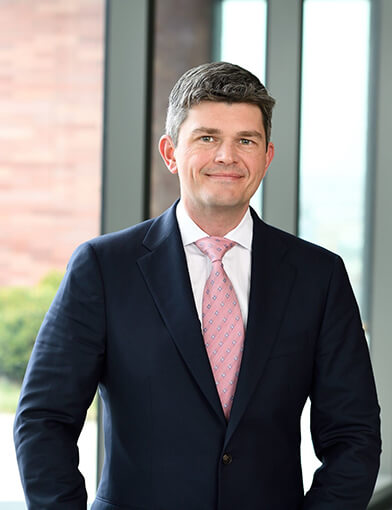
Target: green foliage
22,310
9,394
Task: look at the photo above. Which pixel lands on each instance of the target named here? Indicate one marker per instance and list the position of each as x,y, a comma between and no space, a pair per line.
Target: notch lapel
166,275
272,279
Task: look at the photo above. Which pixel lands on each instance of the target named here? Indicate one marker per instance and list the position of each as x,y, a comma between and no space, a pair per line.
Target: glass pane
51,83
243,42
334,112
334,129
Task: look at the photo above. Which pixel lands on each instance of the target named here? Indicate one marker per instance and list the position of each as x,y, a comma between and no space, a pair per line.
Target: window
334,121
51,84
333,148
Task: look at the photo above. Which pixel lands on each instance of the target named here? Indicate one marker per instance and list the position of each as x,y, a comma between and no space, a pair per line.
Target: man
206,330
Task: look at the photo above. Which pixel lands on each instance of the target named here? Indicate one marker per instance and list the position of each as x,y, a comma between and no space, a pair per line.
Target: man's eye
207,138
245,141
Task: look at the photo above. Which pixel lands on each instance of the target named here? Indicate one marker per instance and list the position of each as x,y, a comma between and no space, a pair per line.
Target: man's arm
59,385
344,411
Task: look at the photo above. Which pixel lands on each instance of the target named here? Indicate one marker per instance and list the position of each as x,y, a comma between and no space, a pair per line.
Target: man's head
216,82
217,141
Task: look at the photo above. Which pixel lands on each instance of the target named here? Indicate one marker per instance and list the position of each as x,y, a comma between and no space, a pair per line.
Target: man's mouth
229,176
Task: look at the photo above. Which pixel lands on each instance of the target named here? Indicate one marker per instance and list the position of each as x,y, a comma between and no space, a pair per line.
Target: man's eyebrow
214,131
251,134
206,130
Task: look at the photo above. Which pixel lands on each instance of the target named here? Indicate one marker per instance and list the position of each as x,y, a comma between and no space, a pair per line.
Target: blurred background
83,96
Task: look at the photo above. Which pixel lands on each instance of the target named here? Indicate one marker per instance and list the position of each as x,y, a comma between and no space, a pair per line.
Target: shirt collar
242,234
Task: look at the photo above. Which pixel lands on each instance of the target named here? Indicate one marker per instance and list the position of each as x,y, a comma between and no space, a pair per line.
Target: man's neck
217,222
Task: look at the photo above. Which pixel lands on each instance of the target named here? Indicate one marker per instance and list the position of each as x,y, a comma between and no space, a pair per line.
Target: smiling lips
224,175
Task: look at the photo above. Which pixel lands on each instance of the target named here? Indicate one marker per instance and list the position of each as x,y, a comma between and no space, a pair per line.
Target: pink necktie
223,328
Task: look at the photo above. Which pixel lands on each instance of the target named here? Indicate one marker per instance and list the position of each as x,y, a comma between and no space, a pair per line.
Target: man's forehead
222,116
205,103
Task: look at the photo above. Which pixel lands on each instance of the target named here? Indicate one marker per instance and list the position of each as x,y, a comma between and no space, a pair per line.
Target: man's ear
166,150
269,157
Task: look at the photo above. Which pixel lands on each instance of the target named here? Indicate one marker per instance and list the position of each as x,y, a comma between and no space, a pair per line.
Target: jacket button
227,459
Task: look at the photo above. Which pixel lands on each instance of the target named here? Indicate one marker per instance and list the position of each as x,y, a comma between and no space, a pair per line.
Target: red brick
51,81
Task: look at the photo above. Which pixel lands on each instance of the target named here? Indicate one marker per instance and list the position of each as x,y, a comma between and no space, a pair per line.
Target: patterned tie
223,328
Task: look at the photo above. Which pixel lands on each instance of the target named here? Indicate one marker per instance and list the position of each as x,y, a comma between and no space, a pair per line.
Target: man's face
221,156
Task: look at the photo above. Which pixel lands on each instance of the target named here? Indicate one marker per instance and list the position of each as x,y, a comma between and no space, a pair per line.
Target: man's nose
226,153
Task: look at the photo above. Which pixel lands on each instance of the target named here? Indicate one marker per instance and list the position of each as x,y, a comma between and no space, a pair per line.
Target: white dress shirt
236,261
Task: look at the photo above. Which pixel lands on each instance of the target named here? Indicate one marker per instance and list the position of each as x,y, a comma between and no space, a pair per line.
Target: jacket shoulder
303,254
299,243
133,235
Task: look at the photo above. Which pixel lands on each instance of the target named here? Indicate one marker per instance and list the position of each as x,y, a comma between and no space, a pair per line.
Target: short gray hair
217,82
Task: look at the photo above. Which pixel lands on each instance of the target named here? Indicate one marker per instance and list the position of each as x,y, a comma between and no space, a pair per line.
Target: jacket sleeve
59,385
344,409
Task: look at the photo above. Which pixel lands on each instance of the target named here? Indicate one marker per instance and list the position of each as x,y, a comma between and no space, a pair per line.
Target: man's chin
224,203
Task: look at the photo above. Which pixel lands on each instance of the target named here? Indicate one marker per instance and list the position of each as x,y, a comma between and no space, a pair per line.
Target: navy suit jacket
124,319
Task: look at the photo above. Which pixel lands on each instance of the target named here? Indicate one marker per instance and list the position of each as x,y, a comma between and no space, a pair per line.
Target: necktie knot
214,247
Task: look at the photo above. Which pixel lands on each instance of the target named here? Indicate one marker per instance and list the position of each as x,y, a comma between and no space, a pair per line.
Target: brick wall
51,93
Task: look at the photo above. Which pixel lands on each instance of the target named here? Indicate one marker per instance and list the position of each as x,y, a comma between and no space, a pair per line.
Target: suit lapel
166,274
272,279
